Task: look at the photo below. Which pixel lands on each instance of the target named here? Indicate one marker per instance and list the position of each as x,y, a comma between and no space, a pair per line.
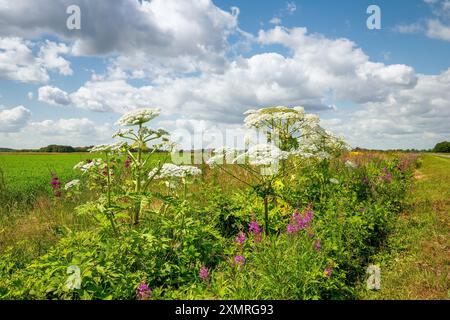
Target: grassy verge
415,262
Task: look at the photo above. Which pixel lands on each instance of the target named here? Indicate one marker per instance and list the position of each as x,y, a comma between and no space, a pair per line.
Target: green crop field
23,176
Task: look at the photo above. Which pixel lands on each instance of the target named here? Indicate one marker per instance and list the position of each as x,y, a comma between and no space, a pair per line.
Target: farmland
26,175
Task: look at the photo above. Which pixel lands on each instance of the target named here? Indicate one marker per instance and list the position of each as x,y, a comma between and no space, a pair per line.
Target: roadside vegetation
416,258
300,220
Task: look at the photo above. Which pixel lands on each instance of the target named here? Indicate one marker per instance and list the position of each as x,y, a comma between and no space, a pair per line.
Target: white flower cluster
113,147
334,181
86,166
71,184
319,143
262,155
258,155
170,170
260,117
222,155
138,117
122,133
351,165
158,132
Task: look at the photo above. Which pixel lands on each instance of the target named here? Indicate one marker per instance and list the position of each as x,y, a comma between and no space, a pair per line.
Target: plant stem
109,180
111,220
139,160
138,173
266,214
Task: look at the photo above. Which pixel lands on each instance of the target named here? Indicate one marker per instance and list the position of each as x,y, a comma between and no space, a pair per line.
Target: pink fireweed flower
300,221
256,230
56,185
239,260
308,217
328,272
143,292
291,229
365,180
254,227
388,177
317,245
203,273
127,162
240,238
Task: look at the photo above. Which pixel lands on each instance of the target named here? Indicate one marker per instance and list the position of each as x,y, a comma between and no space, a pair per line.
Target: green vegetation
415,259
131,225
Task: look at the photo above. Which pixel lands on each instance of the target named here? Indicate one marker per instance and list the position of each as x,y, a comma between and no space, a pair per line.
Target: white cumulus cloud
53,96
14,119
17,61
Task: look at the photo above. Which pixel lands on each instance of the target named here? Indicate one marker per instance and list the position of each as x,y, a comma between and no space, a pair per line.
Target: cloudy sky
206,62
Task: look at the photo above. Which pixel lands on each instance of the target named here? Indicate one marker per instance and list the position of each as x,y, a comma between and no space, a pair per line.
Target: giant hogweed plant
261,162
120,191
290,132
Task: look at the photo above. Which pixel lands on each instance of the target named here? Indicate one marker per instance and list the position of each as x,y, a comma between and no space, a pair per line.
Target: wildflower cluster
267,116
300,221
138,117
240,260
169,170
203,273
320,143
56,185
71,184
255,230
109,148
127,162
387,175
262,155
143,292
240,239
90,165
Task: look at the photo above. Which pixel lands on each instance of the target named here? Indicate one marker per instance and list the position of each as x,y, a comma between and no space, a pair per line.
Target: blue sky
204,63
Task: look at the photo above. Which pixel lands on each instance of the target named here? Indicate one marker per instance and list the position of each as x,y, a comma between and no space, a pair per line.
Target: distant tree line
395,150
54,148
50,148
443,146
63,149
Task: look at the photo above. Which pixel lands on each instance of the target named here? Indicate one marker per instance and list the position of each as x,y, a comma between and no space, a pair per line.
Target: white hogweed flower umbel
350,164
71,184
113,147
262,155
138,117
122,133
86,166
260,117
169,170
334,181
222,155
